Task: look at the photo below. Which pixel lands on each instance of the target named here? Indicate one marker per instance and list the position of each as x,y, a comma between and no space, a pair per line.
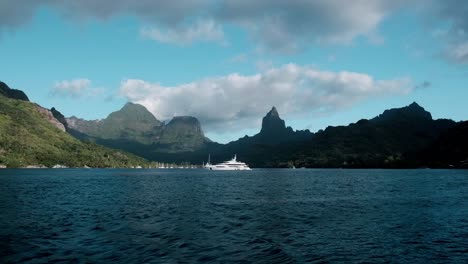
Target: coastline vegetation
28,139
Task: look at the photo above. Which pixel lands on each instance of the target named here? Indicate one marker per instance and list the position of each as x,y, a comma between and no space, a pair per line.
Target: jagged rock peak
273,112
60,117
49,116
272,123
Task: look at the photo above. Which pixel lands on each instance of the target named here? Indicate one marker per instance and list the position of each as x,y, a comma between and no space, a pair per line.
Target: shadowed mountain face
183,133
12,93
450,149
274,129
134,125
57,115
272,124
408,113
384,141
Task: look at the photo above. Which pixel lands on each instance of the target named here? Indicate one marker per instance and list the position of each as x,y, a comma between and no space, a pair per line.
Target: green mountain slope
28,137
133,128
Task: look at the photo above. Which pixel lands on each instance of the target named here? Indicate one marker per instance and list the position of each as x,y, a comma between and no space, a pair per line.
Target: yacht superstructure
232,164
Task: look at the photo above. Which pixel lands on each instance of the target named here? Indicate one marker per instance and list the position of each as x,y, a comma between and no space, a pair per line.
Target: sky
227,62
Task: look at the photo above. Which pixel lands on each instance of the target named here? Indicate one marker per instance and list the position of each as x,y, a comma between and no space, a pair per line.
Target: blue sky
228,62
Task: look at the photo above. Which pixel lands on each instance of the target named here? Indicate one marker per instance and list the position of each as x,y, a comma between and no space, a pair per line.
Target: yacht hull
225,169
229,165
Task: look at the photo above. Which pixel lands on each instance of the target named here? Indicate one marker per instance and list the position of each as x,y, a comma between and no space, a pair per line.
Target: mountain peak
185,119
411,112
415,106
133,106
132,112
416,110
272,124
273,112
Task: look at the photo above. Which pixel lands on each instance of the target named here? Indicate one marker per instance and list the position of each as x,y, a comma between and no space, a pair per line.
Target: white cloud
457,52
202,30
75,88
451,27
238,101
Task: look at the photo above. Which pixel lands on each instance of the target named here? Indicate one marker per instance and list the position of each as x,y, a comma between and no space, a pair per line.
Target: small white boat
232,164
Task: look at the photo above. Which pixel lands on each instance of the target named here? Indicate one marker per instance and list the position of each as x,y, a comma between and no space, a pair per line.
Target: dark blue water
262,216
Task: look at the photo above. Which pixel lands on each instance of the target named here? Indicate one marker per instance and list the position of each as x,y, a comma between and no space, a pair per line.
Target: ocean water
260,216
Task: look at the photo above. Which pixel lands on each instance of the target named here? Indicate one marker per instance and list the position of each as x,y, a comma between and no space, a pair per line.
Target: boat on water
232,164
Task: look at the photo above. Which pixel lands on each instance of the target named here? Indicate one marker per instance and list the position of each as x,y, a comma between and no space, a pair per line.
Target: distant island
407,137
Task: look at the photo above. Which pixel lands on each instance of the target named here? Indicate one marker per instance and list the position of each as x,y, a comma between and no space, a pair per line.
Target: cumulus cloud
238,101
161,11
75,89
168,12
280,25
14,13
283,26
457,52
290,25
451,14
202,30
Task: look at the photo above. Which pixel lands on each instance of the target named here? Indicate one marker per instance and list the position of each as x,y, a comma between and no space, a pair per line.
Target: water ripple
262,216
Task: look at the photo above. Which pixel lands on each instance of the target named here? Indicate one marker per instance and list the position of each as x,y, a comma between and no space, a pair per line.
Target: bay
258,216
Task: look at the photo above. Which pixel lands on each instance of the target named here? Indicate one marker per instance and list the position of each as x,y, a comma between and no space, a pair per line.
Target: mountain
450,149
60,118
398,137
31,135
273,127
183,133
384,141
389,140
133,128
392,139
12,93
274,132
133,122
261,149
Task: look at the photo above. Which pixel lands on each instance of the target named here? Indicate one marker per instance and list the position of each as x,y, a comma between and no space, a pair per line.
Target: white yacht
232,164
